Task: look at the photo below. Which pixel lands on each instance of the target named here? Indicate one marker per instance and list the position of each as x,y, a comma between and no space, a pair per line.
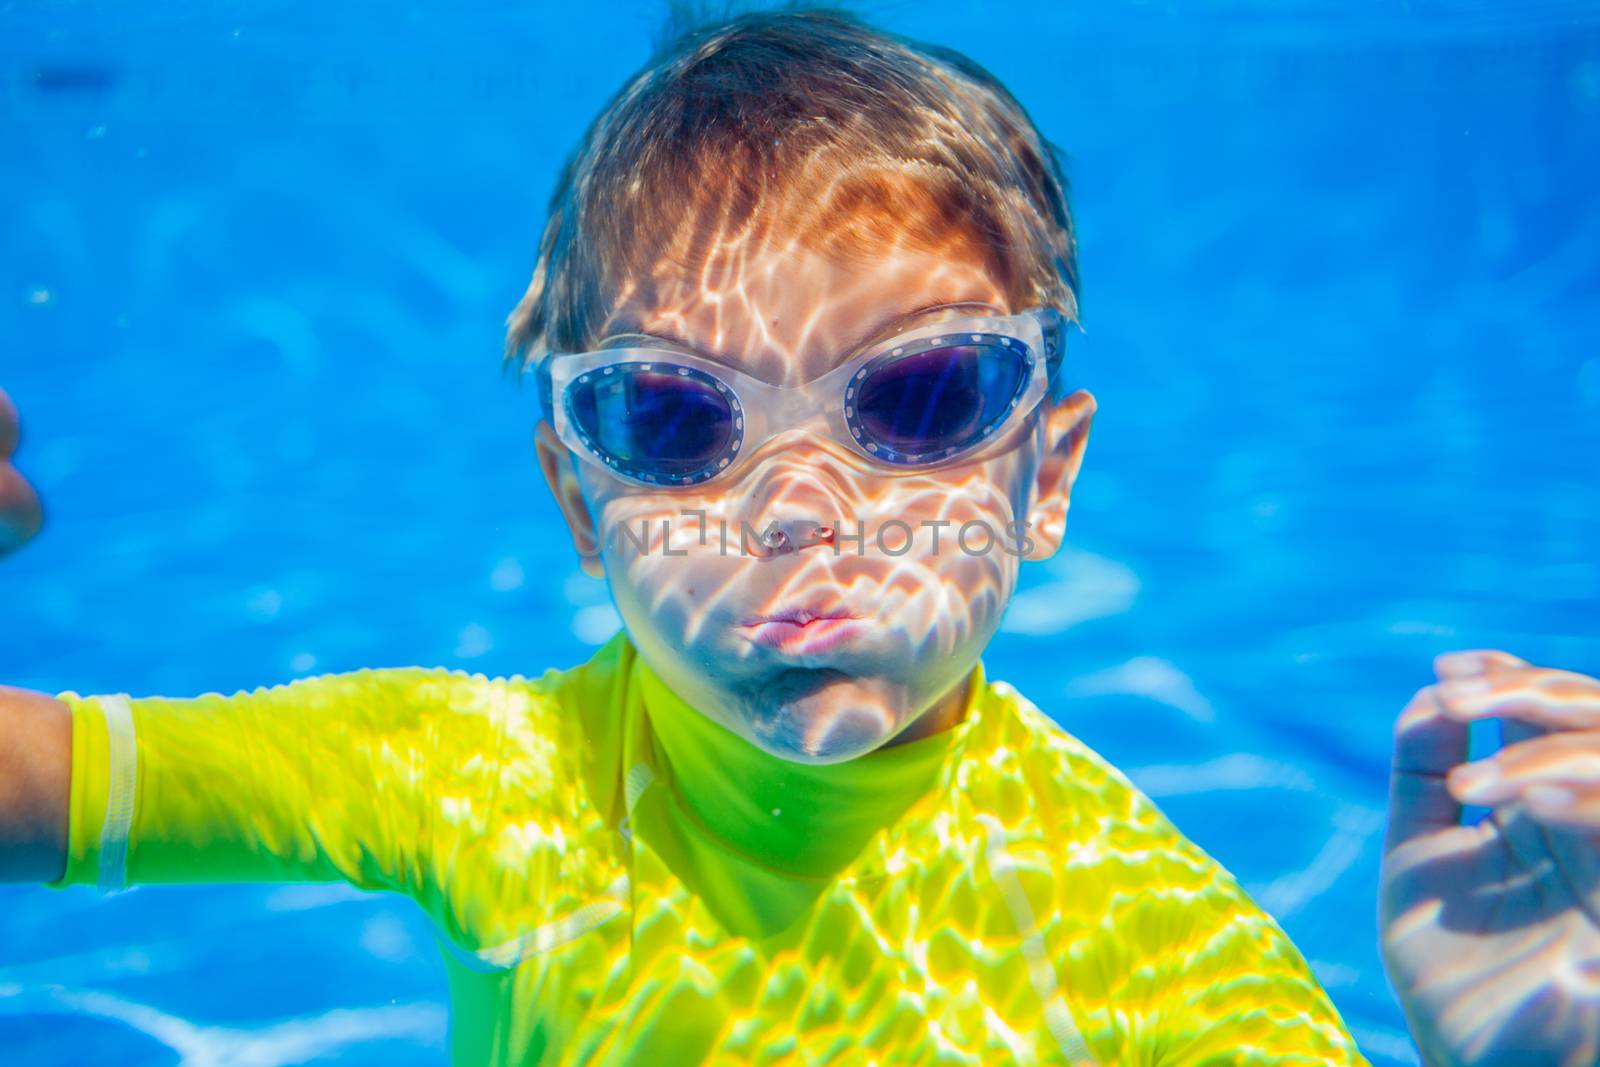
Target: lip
804,631
801,614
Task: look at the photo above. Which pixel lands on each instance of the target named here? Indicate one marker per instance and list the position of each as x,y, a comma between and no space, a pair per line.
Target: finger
1493,663
1563,807
20,513
1565,760
8,426
1563,700
1475,661
1427,744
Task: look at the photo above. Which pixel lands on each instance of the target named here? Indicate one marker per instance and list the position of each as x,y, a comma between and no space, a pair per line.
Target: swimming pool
1339,294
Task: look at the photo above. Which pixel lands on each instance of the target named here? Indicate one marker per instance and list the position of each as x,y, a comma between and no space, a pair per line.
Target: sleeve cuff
103,792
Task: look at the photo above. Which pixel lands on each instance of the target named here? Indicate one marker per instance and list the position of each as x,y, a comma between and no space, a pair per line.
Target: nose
797,491
791,535
796,505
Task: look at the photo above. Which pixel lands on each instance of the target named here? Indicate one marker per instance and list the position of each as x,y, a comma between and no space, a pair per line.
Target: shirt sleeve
1159,957
1231,988
320,780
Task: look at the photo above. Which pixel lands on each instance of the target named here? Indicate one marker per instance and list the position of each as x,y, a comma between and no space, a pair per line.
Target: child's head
778,195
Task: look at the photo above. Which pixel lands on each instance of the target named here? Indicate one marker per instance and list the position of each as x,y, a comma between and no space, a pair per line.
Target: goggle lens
928,405
655,424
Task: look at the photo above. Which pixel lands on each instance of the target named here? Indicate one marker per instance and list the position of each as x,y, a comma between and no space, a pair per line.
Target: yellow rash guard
616,879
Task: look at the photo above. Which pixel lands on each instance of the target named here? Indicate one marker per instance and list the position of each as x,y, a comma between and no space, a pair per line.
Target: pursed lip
801,616
804,631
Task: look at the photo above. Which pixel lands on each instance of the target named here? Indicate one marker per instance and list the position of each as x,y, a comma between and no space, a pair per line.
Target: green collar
756,836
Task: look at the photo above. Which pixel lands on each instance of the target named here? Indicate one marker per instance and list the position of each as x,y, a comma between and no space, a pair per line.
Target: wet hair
800,122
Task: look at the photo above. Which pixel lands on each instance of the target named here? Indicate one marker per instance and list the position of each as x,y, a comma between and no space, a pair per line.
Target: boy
797,330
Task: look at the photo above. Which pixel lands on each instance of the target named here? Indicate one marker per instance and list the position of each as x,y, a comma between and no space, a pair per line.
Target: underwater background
1340,292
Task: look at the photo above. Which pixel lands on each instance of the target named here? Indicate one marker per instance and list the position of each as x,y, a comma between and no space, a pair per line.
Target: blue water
1341,297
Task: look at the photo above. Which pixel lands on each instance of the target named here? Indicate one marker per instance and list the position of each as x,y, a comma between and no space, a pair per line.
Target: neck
945,714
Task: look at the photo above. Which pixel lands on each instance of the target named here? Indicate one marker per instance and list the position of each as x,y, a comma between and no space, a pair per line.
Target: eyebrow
876,330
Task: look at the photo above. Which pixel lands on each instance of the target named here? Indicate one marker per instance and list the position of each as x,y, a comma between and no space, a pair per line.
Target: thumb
1427,743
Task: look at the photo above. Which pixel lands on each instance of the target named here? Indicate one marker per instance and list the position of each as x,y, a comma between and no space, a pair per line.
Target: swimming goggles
926,398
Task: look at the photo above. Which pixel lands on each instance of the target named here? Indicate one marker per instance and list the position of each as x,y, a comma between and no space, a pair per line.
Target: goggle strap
546,390
1054,328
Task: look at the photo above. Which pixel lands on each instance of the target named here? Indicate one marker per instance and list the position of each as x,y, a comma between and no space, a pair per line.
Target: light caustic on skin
787,311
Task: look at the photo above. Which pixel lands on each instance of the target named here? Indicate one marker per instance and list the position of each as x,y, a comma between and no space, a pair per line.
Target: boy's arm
323,779
35,772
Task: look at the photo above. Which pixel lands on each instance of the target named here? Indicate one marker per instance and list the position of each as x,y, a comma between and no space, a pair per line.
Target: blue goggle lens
658,425
924,406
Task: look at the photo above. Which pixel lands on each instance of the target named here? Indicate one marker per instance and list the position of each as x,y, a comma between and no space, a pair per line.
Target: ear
1066,434
559,475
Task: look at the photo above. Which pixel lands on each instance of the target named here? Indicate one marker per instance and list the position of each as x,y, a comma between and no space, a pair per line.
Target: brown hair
805,122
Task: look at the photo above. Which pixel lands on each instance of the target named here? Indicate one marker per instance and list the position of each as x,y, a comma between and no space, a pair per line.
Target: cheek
993,491
965,538
664,555
1016,472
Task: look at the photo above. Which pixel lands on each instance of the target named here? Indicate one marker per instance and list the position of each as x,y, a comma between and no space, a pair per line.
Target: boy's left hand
1491,932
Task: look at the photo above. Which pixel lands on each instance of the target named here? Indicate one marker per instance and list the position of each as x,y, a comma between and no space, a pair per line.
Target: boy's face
824,691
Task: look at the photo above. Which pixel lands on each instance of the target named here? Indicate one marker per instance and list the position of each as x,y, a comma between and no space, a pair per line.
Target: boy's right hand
20,514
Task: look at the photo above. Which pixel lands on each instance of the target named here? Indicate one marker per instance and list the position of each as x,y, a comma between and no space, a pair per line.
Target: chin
818,731
822,757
